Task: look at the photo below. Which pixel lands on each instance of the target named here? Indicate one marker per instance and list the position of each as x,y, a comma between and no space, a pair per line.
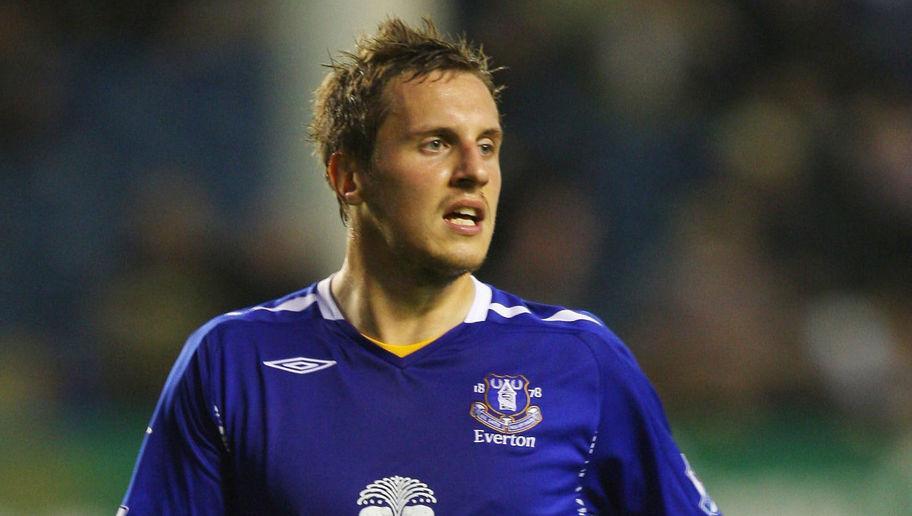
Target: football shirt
522,409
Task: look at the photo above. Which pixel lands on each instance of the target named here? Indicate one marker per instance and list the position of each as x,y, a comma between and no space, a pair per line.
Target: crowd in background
727,184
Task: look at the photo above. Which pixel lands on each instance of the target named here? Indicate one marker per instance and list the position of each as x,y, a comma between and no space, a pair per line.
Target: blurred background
728,184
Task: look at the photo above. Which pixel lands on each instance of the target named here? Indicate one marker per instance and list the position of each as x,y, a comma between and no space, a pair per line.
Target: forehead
441,98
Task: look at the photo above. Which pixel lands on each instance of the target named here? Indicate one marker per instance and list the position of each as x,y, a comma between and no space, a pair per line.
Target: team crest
507,406
396,496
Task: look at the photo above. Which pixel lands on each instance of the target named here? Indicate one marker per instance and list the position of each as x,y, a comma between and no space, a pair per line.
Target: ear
342,175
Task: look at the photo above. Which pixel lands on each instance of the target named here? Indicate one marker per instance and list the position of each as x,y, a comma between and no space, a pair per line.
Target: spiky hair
349,104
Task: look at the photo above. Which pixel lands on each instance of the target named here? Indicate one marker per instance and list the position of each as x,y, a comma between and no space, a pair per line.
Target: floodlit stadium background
727,184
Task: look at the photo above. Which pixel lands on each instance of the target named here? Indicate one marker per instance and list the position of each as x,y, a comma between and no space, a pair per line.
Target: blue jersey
522,409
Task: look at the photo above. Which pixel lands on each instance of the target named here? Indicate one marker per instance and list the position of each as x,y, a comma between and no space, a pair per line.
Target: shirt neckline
478,311
329,310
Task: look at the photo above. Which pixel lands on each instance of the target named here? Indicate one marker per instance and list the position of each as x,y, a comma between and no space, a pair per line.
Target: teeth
467,212
464,216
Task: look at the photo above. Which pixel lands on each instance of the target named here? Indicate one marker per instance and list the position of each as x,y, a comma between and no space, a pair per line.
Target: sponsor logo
507,409
396,496
300,365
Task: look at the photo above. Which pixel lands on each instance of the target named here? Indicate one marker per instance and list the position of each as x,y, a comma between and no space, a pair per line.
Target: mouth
465,216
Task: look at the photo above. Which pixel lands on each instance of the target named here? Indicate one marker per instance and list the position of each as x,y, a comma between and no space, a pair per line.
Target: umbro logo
300,365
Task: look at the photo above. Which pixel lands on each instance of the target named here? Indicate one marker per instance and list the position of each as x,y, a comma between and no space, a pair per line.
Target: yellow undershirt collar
400,350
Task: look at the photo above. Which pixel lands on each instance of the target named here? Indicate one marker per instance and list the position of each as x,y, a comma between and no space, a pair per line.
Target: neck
399,306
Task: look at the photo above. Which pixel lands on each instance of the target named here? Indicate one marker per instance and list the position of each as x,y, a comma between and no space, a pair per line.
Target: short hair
349,105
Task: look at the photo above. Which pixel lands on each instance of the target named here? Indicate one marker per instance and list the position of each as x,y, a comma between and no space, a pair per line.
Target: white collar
478,312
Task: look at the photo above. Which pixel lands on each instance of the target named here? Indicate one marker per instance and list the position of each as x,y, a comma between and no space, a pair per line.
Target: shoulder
578,325
239,337
290,314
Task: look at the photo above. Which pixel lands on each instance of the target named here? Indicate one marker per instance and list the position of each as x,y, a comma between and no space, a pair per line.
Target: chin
454,265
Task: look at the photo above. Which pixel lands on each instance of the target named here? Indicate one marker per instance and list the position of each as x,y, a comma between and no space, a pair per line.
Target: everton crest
507,406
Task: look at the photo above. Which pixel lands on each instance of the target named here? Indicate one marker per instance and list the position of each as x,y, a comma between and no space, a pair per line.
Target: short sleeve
179,468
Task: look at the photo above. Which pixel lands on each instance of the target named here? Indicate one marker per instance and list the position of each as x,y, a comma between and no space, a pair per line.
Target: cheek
493,189
402,203
496,183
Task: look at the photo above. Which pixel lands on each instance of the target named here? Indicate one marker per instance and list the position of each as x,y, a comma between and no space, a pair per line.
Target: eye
487,147
433,145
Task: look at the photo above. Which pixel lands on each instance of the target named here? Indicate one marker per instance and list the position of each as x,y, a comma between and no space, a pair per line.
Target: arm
179,469
638,467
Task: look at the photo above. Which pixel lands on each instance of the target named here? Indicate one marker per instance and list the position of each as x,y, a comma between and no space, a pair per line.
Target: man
401,385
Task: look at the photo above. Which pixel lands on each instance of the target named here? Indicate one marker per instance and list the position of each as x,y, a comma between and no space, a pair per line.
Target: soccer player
402,385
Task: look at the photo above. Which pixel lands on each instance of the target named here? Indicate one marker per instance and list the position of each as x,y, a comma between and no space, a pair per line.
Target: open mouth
463,216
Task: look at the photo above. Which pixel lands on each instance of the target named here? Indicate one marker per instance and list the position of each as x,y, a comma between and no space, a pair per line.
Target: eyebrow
493,132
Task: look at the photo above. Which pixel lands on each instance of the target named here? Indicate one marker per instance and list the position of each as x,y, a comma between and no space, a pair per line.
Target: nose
472,170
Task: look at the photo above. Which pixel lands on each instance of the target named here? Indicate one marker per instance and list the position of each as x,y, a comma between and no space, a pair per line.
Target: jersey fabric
522,409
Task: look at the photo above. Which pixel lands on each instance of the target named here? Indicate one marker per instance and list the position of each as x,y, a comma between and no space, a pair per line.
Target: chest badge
507,404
